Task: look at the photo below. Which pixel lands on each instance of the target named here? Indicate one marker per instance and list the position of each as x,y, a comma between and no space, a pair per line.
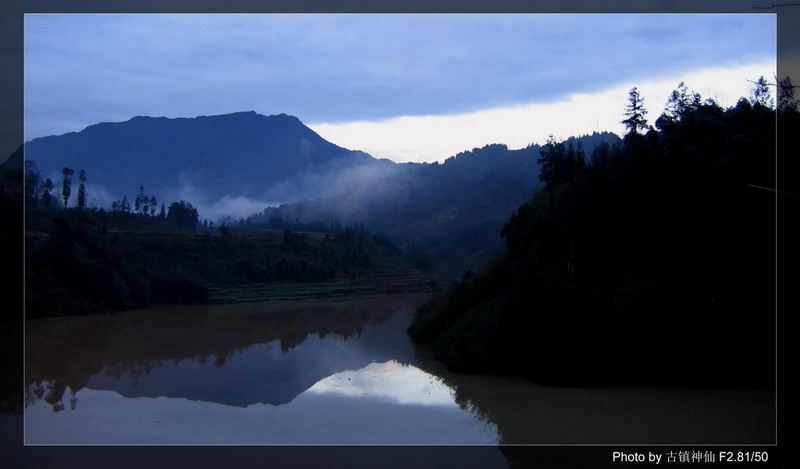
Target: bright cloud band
434,138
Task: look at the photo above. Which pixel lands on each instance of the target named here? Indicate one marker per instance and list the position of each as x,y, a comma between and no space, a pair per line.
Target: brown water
339,371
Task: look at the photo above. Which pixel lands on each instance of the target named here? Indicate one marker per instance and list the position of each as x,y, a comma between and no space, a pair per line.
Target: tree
560,163
183,216
786,100
66,185
153,205
761,95
121,206
163,213
680,102
32,185
47,197
82,190
140,204
635,112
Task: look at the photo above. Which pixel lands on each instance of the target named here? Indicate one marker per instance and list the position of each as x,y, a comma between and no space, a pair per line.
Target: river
329,372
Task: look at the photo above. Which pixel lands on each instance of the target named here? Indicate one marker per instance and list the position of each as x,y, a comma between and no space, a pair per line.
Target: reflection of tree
221,358
135,369
33,393
53,393
524,412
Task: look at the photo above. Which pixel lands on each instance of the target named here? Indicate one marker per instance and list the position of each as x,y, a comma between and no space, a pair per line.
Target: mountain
451,211
15,162
237,164
204,159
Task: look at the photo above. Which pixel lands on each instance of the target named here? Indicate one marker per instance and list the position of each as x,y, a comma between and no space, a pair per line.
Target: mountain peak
271,158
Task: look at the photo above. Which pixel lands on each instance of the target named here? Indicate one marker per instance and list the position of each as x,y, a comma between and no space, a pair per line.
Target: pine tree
82,190
66,185
47,197
786,100
761,95
635,112
680,102
32,185
140,202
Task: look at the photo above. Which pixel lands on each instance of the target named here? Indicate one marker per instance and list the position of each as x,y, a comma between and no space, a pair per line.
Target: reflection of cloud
312,418
388,381
435,137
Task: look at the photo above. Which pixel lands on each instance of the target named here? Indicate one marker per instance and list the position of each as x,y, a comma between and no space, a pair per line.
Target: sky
408,87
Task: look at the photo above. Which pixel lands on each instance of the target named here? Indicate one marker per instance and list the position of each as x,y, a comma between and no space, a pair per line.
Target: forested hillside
648,261
84,262
450,212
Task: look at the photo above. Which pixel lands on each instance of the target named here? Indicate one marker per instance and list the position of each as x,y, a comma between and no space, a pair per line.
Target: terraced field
380,279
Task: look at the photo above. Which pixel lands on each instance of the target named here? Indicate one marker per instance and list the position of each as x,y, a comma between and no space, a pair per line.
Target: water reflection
335,372
321,415
390,381
124,349
526,413
278,373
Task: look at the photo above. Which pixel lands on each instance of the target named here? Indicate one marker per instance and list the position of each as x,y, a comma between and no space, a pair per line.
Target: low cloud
229,207
437,137
232,208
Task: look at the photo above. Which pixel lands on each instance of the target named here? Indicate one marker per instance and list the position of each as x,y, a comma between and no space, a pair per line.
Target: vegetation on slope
653,261
85,261
452,212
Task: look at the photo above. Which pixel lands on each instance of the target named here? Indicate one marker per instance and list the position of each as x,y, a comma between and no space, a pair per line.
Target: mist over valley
249,167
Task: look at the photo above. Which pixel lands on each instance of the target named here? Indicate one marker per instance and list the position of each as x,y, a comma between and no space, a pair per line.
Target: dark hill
245,154
451,211
652,263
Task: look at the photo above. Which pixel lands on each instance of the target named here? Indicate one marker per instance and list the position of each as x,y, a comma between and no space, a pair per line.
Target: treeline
92,261
651,261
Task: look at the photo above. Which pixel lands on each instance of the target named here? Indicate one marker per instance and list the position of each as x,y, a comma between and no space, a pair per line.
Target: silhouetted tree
140,203
82,190
183,216
163,213
32,183
47,197
761,95
153,205
786,100
66,185
121,206
559,162
635,112
681,101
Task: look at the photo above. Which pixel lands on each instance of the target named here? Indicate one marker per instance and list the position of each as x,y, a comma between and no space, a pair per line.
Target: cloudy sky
410,87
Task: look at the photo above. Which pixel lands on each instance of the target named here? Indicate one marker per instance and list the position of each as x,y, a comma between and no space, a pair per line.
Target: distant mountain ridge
243,154
452,211
275,166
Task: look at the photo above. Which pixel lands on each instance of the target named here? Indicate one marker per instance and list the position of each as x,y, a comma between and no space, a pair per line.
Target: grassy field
381,279
287,291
